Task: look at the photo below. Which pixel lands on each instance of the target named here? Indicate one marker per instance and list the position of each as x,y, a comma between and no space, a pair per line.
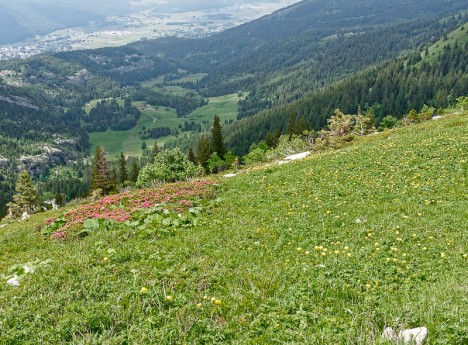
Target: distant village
74,39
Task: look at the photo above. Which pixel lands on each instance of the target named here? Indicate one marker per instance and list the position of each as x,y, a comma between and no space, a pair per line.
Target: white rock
25,216
13,281
283,162
408,336
230,175
436,117
297,156
3,225
390,334
417,335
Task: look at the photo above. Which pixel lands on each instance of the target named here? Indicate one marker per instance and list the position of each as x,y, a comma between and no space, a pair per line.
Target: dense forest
305,60
393,88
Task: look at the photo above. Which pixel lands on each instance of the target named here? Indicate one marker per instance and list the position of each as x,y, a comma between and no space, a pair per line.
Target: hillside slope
325,251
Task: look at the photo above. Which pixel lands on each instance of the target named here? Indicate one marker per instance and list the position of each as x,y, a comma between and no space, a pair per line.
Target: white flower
358,221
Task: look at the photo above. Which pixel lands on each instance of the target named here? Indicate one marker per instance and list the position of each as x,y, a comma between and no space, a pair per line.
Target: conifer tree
101,176
203,151
25,199
123,176
291,128
217,140
191,156
154,152
134,171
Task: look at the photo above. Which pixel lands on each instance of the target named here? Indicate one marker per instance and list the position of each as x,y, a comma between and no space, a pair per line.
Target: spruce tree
154,152
291,128
191,156
203,151
101,176
123,176
217,140
134,171
25,199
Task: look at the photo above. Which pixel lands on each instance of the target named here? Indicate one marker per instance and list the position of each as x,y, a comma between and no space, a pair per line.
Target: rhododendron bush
176,198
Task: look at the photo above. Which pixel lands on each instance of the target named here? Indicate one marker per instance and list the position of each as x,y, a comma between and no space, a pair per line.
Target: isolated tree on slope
154,152
123,176
203,151
217,140
25,199
101,177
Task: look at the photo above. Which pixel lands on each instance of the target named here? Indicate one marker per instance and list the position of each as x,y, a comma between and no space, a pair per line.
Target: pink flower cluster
119,207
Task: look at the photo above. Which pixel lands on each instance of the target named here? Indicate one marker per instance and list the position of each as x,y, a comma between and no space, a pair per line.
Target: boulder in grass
297,156
230,175
13,281
408,336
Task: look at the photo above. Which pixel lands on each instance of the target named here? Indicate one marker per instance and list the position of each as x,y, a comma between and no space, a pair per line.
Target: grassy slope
403,189
129,142
459,35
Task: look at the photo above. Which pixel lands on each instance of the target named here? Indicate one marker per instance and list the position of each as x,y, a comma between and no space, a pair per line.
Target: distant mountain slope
21,19
393,88
318,18
327,17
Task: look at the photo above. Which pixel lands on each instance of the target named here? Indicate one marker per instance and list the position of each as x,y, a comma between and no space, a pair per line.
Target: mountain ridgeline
307,59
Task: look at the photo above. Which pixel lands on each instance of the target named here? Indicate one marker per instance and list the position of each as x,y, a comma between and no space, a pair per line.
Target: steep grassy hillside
325,251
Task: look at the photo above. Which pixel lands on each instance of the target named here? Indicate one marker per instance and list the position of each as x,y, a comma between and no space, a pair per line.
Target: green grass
129,142
226,107
90,105
460,36
189,78
153,82
292,254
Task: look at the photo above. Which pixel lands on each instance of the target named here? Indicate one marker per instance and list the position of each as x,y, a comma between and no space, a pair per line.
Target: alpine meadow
301,178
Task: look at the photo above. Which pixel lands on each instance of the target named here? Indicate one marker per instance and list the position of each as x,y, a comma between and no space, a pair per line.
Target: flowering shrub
121,208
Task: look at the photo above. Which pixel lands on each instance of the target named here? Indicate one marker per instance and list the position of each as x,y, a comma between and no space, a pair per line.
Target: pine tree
101,176
191,156
203,151
134,172
291,128
217,140
123,176
25,199
154,152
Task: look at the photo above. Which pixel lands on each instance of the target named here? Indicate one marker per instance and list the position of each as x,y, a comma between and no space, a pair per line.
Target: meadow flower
143,290
169,298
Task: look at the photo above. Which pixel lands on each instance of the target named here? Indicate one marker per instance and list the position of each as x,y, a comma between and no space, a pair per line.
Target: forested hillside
393,88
